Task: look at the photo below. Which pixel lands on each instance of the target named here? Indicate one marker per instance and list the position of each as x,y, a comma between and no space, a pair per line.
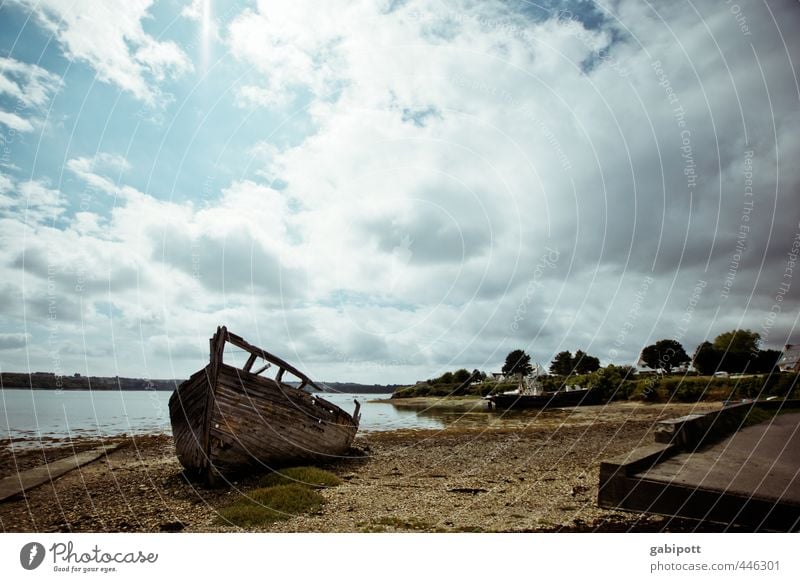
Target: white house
790,359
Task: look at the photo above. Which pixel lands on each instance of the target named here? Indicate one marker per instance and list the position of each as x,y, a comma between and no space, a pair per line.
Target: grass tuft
270,504
306,476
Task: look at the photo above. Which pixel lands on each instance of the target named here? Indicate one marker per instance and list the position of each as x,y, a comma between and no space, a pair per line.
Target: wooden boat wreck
227,419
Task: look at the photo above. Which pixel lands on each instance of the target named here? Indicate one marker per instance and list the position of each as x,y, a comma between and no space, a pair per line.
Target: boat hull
555,400
227,420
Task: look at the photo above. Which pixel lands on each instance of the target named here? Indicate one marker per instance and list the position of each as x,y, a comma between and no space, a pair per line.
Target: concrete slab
748,477
761,461
16,484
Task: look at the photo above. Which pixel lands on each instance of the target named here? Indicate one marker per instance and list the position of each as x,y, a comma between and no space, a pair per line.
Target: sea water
35,414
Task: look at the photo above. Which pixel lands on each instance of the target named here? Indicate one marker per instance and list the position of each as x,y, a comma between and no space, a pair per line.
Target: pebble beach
520,474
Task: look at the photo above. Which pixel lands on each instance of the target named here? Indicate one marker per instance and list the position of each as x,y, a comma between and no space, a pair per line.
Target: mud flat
483,472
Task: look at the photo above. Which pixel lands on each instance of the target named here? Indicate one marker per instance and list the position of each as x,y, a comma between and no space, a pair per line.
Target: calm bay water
82,413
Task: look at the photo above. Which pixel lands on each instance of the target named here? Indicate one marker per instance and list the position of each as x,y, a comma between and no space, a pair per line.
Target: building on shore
790,359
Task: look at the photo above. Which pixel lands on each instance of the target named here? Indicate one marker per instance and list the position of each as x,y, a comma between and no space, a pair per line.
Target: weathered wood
261,369
31,478
250,361
217,351
225,418
271,358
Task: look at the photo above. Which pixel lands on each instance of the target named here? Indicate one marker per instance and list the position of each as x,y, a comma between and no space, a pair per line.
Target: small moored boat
511,400
226,419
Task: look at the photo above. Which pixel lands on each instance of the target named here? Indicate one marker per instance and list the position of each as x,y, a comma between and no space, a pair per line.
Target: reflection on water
379,416
82,413
34,414
382,414
482,418
74,413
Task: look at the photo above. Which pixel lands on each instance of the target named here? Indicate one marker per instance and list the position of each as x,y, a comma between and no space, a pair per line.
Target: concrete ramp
711,470
25,480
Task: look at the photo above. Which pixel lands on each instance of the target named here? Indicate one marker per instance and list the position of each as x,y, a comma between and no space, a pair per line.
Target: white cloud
6,183
449,151
202,11
451,148
27,84
32,201
293,47
94,171
13,341
109,37
28,89
195,9
15,122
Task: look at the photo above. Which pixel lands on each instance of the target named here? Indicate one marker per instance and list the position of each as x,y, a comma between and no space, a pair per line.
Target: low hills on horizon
49,381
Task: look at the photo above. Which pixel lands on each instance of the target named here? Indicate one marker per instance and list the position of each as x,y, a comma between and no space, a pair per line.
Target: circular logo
31,555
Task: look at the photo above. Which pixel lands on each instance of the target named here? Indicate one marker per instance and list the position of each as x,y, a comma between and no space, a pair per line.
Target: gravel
520,474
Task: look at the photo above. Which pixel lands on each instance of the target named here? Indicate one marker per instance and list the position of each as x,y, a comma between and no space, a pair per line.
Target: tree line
735,351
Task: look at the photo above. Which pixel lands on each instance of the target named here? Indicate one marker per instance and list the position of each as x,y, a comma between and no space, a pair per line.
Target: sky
381,191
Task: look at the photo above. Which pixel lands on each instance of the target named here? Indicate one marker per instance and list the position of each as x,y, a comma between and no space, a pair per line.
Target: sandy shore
523,472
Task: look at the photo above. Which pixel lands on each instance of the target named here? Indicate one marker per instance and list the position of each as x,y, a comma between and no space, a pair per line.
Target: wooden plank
27,480
262,368
255,386
187,413
250,361
273,359
217,349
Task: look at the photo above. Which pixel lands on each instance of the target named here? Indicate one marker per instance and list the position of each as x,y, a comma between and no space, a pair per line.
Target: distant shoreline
92,389
49,381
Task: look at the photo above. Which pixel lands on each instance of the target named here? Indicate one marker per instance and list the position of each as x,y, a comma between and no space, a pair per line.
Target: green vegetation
735,351
458,383
281,496
441,390
307,476
517,362
706,359
562,364
270,504
565,364
665,354
690,388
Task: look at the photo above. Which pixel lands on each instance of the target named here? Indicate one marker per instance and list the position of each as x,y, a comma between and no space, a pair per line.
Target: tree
584,363
626,372
605,384
766,360
477,376
565,364
738,341
562,364
517,362
706,358
738,349
461,376
665,354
